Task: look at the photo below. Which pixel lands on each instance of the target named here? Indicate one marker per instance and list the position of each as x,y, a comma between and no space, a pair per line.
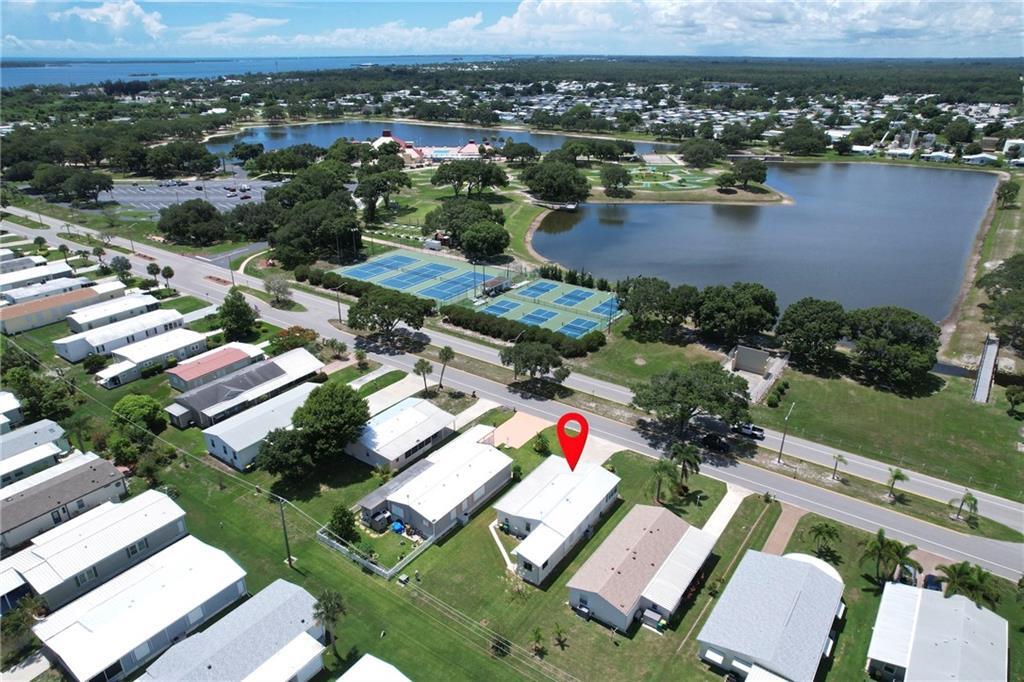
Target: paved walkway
725,510
197,315
400,390
367,378
27,669
336,365
509,564
475,410
783,530
518,430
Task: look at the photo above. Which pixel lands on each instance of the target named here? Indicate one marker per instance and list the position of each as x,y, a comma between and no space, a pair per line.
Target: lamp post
785,430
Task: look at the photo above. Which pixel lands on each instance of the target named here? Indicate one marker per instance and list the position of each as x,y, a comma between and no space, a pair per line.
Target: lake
324,134
16,72
860,234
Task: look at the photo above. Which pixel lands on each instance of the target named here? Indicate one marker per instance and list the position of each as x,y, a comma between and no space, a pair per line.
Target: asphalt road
1003,558
150,196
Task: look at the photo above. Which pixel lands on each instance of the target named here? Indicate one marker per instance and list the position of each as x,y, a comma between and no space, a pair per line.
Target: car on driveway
908,575
932,582
749,430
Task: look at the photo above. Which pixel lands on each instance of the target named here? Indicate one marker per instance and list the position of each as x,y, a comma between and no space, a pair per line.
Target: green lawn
943,435
23,221
184,304
206,324
465,571
383,381
862,597
293,306
264,332
448,399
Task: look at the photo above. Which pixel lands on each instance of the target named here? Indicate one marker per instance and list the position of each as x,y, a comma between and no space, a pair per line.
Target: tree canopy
237,317
730,313
679,395
893,346
381,310
810,329
556,181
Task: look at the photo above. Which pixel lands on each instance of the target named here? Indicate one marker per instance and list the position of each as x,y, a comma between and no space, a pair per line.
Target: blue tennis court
377,267
538,316
454,286
537,289
501,307
607,307
578,327
573,297
416,276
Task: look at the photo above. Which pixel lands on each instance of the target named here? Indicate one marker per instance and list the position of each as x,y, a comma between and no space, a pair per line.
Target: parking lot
150,196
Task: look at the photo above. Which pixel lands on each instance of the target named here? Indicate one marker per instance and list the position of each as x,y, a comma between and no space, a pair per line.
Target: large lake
861,234
324,134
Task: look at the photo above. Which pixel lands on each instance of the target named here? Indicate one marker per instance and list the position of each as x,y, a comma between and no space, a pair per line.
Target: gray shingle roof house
776,615
922,635
272,636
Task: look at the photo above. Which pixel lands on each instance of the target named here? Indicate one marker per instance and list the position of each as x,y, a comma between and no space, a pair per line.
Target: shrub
332,280
148,284
773,400
94,363
316,276
301,272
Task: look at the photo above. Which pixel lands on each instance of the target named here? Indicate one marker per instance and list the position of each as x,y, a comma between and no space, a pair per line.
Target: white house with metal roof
369,668
30,461
29,276
10,411
33,435
642,570
776,617
53,287
271,637
105,340
18,263
463,476
237,440
129,620
107,312
396,437
20,317
63,564
155,352
923,635
554,508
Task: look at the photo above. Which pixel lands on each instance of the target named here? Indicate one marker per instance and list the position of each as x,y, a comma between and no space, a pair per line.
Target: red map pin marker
572,445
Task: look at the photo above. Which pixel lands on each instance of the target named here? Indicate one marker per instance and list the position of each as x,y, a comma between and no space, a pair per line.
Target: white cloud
118,15
232,26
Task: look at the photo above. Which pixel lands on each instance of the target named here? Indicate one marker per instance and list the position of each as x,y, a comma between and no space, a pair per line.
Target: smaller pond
324,134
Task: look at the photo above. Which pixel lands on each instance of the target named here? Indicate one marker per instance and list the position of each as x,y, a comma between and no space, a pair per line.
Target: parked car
229,195
749,430
245,196
199,188
229,188
142,189
712,441
932,582
908,576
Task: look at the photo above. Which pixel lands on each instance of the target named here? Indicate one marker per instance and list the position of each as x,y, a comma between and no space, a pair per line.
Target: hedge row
332,281
507,330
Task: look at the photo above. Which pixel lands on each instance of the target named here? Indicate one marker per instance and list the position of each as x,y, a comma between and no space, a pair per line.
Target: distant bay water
16,72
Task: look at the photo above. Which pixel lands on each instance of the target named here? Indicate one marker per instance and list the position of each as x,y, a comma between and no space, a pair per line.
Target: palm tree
966,500
167,272
423,368
895,476
983,587
560,638
824,534
837,459
329,608
152,269
664,471
878,549
688,459
99,253
445,355
901,559
64,250
957,578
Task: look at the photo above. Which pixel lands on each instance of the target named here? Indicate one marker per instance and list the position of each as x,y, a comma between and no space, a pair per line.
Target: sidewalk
783,530
725,510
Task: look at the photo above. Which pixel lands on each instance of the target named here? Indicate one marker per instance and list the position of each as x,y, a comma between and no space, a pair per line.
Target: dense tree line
508,330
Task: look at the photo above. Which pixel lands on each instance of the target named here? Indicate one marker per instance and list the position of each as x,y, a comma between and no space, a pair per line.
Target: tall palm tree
900,557
983,587
837,459
895,476
879,549
957,578
824,534
423,368
445,355
329,608
64,251
664,471
967,500
688,459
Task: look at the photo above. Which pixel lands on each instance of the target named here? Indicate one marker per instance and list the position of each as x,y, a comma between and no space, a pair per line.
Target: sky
279,28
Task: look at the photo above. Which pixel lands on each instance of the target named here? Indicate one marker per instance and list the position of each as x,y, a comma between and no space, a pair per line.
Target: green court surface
566,308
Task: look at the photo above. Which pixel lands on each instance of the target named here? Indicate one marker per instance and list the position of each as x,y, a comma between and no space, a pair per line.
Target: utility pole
337,298
785,430
284,529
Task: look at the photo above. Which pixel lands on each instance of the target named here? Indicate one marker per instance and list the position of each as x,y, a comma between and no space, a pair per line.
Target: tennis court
607,308
378,267
578,327
537,289
573,297
538,316
417,275
501,307
454,286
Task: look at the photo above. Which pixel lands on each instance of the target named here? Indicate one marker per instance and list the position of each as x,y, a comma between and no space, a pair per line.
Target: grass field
943,435
184,304
863,596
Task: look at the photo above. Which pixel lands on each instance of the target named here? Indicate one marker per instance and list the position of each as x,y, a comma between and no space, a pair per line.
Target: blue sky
815,28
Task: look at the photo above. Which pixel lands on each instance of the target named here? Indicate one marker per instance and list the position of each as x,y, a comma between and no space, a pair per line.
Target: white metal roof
29,457
43,289
539,545
13,280
287,661
124,328
402,426
72,547
459,469
939,638
294,364
158,346
29,436
369,668
99,628
8,402
69,464
98,311
254,424
668,585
